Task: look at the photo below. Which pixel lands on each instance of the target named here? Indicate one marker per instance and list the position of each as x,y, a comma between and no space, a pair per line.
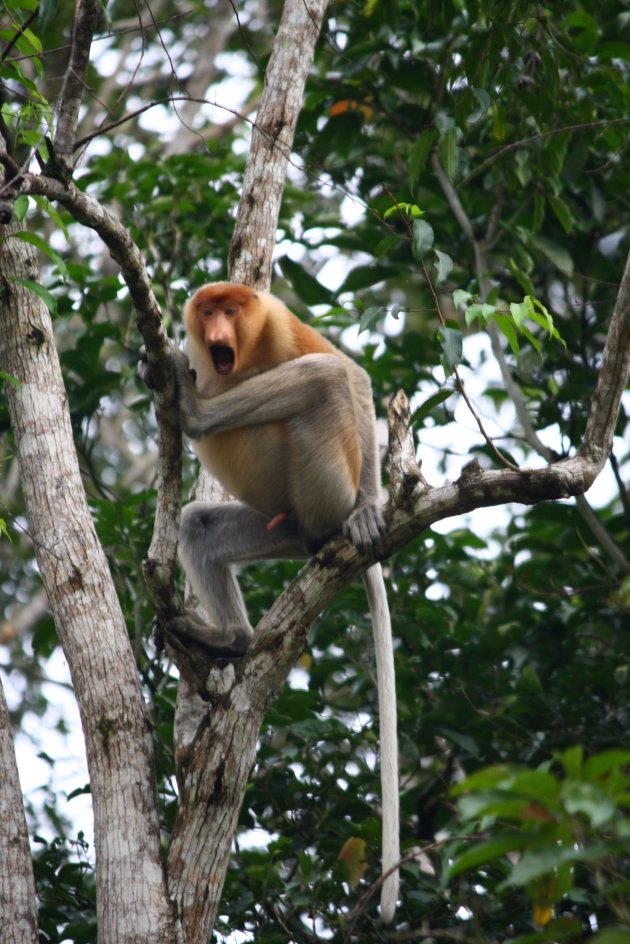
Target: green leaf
498,121
563,213
384,247
10,379
519,311
602,764
571,760
308,288
370,316
452,347
444,266
490,805
506,327
537,785
539,211
47,207
521,277
484,852
482,312
430,403
47,12
533,865
419,155
363,277
483,98
588,799
422,238
408,210
444,122
556,254
461,297
486,778
619,935
43,246
20,207
449,153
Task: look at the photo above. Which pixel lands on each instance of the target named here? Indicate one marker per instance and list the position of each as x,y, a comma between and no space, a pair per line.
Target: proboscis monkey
286,422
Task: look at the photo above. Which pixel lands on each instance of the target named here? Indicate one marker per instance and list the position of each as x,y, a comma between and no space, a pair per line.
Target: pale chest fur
251,463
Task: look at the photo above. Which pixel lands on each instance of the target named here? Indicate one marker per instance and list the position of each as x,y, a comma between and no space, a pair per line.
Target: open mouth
222,358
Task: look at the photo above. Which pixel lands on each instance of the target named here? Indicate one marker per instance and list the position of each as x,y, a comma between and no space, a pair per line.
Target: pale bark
254,238
160,562
69,104
17,885
132,904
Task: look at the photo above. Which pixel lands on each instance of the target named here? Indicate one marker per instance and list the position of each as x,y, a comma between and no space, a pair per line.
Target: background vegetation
507,126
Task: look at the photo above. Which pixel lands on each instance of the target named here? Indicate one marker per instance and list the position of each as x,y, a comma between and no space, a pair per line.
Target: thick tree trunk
17,884
131,890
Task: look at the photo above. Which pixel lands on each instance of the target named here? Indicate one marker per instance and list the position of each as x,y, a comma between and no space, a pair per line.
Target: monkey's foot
227,643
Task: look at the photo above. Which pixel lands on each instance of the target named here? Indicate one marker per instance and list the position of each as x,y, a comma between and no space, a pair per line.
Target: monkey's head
226,319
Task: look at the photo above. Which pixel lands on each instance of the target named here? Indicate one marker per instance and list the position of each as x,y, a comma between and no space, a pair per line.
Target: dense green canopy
465,146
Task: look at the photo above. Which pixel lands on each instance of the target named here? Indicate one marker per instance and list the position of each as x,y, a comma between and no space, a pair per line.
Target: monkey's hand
189,409
148,373
365,528
144,370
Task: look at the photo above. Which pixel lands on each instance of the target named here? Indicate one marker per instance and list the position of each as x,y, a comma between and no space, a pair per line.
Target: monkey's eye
231,310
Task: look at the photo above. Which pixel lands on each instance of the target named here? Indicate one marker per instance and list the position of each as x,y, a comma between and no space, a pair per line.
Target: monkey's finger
143,370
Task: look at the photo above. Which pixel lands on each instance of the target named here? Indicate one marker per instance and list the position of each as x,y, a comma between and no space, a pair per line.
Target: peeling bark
17,883
132,906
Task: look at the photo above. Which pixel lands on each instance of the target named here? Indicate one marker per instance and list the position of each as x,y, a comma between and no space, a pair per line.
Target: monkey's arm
365,525
282,393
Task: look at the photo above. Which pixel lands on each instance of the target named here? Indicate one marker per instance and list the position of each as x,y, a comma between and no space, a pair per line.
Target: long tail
382,630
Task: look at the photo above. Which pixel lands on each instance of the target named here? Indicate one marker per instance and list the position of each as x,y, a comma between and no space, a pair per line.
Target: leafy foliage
512,649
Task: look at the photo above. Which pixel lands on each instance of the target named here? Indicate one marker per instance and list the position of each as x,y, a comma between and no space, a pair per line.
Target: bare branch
254,237
613,376
86,18
552,132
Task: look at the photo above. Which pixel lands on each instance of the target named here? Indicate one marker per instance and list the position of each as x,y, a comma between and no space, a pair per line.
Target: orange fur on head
253,328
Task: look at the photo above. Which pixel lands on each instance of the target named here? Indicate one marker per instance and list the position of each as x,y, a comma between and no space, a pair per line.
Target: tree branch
17,883
160,562
513,389
89,620
254,237
69,104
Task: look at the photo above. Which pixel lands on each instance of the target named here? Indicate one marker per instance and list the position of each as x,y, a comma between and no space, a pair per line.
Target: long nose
219,330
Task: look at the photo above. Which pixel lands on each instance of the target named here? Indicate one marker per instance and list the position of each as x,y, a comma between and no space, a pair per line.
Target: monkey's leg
212,537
